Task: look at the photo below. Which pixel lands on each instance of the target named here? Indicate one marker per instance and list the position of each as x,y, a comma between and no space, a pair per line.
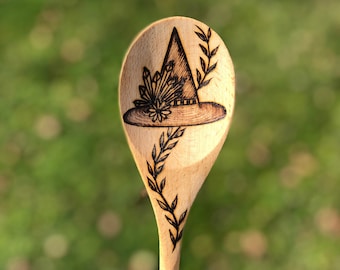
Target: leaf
180,234
179,133
205,83
182,217
202,36
159,169
162,184
161,140
172,237
202,64
174,203
152,185
154,152
172,223
170,146
150,168
204,50
211,68
214,51
163,158
169,132
209,33
200,29
141,103
163,205
198,76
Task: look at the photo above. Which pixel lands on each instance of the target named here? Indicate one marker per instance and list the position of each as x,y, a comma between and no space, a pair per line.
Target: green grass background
70,194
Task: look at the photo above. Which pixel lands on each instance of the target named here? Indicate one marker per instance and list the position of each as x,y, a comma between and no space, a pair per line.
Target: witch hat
169,98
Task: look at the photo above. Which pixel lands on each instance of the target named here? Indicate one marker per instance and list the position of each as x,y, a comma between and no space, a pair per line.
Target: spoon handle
168,261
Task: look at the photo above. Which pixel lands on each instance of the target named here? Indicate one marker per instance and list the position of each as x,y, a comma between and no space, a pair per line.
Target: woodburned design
165,89
168,98
159,155
207,67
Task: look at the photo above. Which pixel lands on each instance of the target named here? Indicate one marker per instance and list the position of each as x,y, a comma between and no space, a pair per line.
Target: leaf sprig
206,65
165,147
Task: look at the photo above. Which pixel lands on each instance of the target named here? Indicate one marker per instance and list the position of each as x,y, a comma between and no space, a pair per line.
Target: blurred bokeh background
70,194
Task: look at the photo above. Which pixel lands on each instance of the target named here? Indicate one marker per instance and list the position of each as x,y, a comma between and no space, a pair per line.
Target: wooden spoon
177,92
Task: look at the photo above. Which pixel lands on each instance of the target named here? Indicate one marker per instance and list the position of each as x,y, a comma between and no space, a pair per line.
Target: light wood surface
176,94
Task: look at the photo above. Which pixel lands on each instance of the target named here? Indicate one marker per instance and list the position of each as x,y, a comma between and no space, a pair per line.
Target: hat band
180,102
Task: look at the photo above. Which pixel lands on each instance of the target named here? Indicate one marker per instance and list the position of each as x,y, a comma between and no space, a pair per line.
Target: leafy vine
165,147
206,67
157,93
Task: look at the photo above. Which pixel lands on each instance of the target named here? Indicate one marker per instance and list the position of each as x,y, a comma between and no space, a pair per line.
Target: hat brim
186,115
